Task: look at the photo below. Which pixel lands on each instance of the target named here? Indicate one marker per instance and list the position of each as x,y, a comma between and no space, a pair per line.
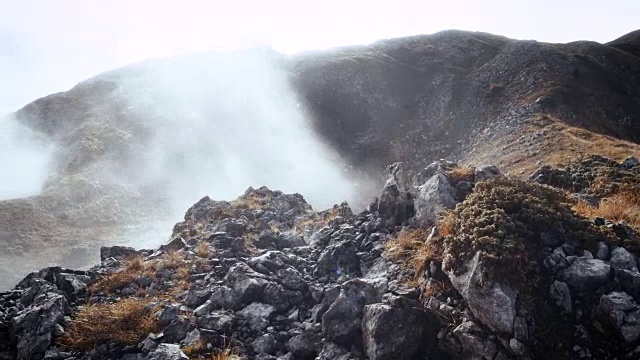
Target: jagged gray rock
492,303
167,352
117,252
34,327
413,332
304,346
561,295
621,259
342,321
220,321
587,274
339,260
620,311
434,197
395,206
257,315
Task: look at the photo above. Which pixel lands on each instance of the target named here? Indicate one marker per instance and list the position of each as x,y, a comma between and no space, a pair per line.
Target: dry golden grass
316,221
406,243
126,322
555,143
435,288
203,249
112,282
132,268
623,206
226,354
172,260
461,173
253,201
409,248
447,224
198,348
199,351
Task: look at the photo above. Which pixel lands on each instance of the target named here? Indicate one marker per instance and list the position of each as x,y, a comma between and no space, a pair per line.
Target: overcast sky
48,46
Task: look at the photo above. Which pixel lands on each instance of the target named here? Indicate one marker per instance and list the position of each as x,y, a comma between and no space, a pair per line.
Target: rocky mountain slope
514,271
471,97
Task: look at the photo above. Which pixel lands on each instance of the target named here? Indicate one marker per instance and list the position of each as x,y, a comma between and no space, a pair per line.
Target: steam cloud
226,121
203,124
25,159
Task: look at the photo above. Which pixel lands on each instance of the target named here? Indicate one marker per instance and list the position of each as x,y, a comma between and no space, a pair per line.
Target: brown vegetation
199,350
132,268
172,260
203,249
317,221
623,206
126,322
460,173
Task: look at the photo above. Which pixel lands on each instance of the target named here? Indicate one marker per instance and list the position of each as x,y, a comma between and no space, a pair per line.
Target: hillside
517,270
471,97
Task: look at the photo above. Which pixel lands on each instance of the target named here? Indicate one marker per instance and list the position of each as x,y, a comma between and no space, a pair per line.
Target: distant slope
467,95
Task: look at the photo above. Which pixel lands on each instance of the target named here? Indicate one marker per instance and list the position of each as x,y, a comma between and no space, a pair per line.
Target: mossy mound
511,221
595,175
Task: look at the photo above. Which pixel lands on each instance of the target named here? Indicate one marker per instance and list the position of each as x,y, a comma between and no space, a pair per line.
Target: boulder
196,297
470,341
492,303
264,344
630,281
257,315
587,274
434,196
630,162
177,330
619,311
395,205
291,279
223,297
246,283
290,239
603,251
167,352
174,245
117,252
304,346
339,260
561,295
621,259
331,351
341,323
220,321
414,332
33,328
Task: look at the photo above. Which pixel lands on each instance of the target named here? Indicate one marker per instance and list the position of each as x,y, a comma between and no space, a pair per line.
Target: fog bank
25,159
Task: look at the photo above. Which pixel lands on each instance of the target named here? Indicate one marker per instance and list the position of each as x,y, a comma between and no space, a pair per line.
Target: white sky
48,46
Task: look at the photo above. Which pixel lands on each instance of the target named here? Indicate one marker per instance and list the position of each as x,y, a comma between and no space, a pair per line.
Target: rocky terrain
473,98
448,263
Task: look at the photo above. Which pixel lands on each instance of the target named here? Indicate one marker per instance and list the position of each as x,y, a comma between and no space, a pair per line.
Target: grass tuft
132,268
126,322
203,249
623,206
